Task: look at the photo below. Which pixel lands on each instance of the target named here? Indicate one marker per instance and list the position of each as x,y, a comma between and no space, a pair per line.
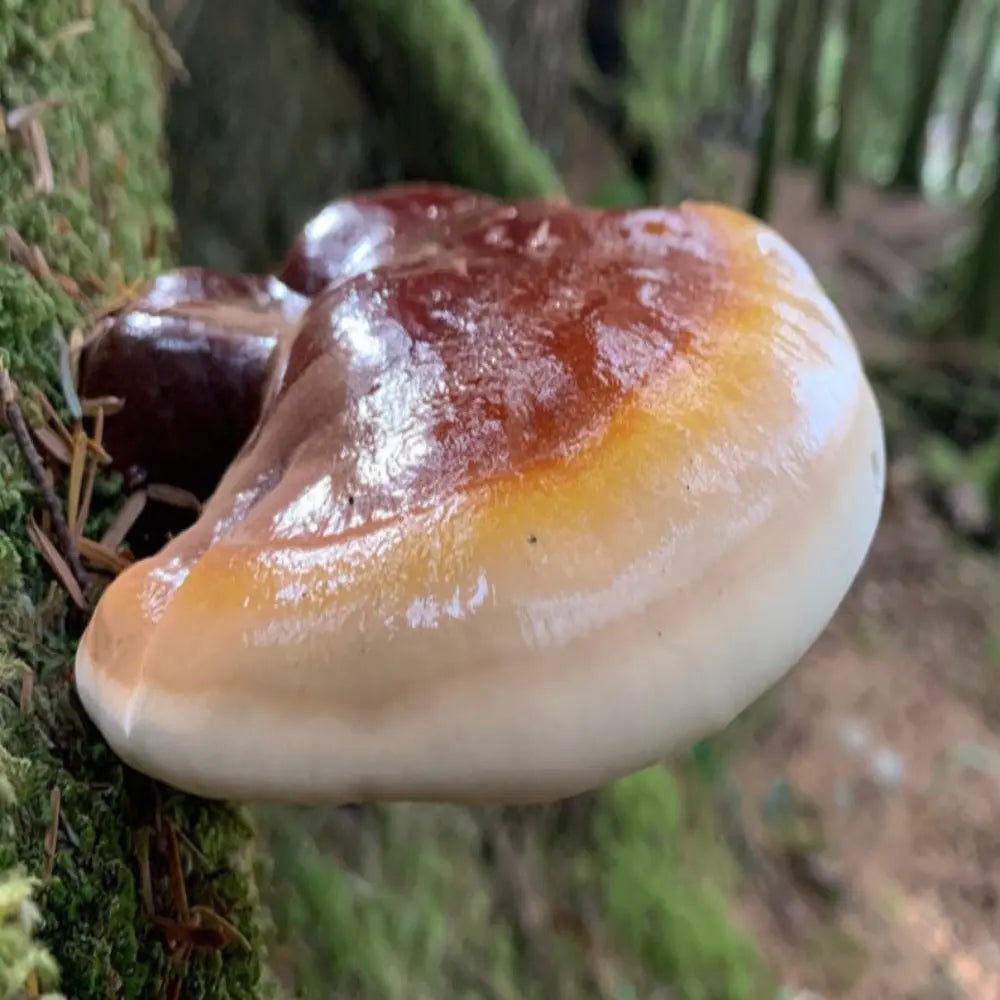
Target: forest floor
875,771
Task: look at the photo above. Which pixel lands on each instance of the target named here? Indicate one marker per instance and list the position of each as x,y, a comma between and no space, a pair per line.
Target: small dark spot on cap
350,500
532,539
659,635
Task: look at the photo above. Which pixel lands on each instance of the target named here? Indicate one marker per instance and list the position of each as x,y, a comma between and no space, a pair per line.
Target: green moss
104,224
621,894
461,123
412,915
666,879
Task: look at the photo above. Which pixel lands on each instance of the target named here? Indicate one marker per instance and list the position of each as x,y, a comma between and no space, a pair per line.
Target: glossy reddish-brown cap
398,224
519,516
190,356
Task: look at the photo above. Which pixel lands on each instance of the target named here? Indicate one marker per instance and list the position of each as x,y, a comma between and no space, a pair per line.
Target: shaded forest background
815,846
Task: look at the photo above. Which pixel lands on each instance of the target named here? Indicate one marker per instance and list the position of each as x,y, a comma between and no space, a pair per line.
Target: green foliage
21,957
621,191
946,465
103,224
652,82
413,915
887,93
666,877
409,901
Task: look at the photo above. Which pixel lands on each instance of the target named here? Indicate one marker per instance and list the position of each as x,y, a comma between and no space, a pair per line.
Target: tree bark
935,22
73,819
607,38
270,127
696,37
859,17
804,134
974,87
743,26
430,70
273,125
771,140
537,44
981,304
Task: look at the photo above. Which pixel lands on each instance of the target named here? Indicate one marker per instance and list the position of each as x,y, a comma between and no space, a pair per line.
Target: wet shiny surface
507,439
191,357
351,236
507,341
535,493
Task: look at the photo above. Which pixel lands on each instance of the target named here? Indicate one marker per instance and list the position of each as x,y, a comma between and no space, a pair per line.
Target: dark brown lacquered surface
353,235
191,358
510,341
451,338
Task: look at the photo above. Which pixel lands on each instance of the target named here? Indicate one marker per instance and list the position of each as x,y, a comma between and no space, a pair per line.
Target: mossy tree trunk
537,44
804,134
935,20
461,123
72,819
859,19
273,124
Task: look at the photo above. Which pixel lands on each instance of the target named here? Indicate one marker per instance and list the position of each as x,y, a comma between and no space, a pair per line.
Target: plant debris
103,558
44,177
52,835
56,562
169,57
66,556
124,520
69,31
173,496
18,118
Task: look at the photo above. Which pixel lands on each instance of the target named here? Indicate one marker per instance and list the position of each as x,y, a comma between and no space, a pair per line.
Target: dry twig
27,689
69,31
15,421
57,564
17,118
52,834
44,177
160,40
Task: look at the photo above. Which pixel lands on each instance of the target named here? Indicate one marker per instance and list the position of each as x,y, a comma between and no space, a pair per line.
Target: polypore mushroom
522,513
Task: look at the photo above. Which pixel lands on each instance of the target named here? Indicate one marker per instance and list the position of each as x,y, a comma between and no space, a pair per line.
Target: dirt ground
871,791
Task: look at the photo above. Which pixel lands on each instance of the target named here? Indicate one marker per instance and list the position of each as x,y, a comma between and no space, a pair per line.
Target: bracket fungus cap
526,512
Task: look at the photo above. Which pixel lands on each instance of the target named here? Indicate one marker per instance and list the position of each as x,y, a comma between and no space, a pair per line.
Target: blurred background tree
868,133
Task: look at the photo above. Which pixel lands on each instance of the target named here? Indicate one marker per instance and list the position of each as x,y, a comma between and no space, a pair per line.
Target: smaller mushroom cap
191,357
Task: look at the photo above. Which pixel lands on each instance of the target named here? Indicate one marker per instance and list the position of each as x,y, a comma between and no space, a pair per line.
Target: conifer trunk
804,135
935,22
859,18
974,87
